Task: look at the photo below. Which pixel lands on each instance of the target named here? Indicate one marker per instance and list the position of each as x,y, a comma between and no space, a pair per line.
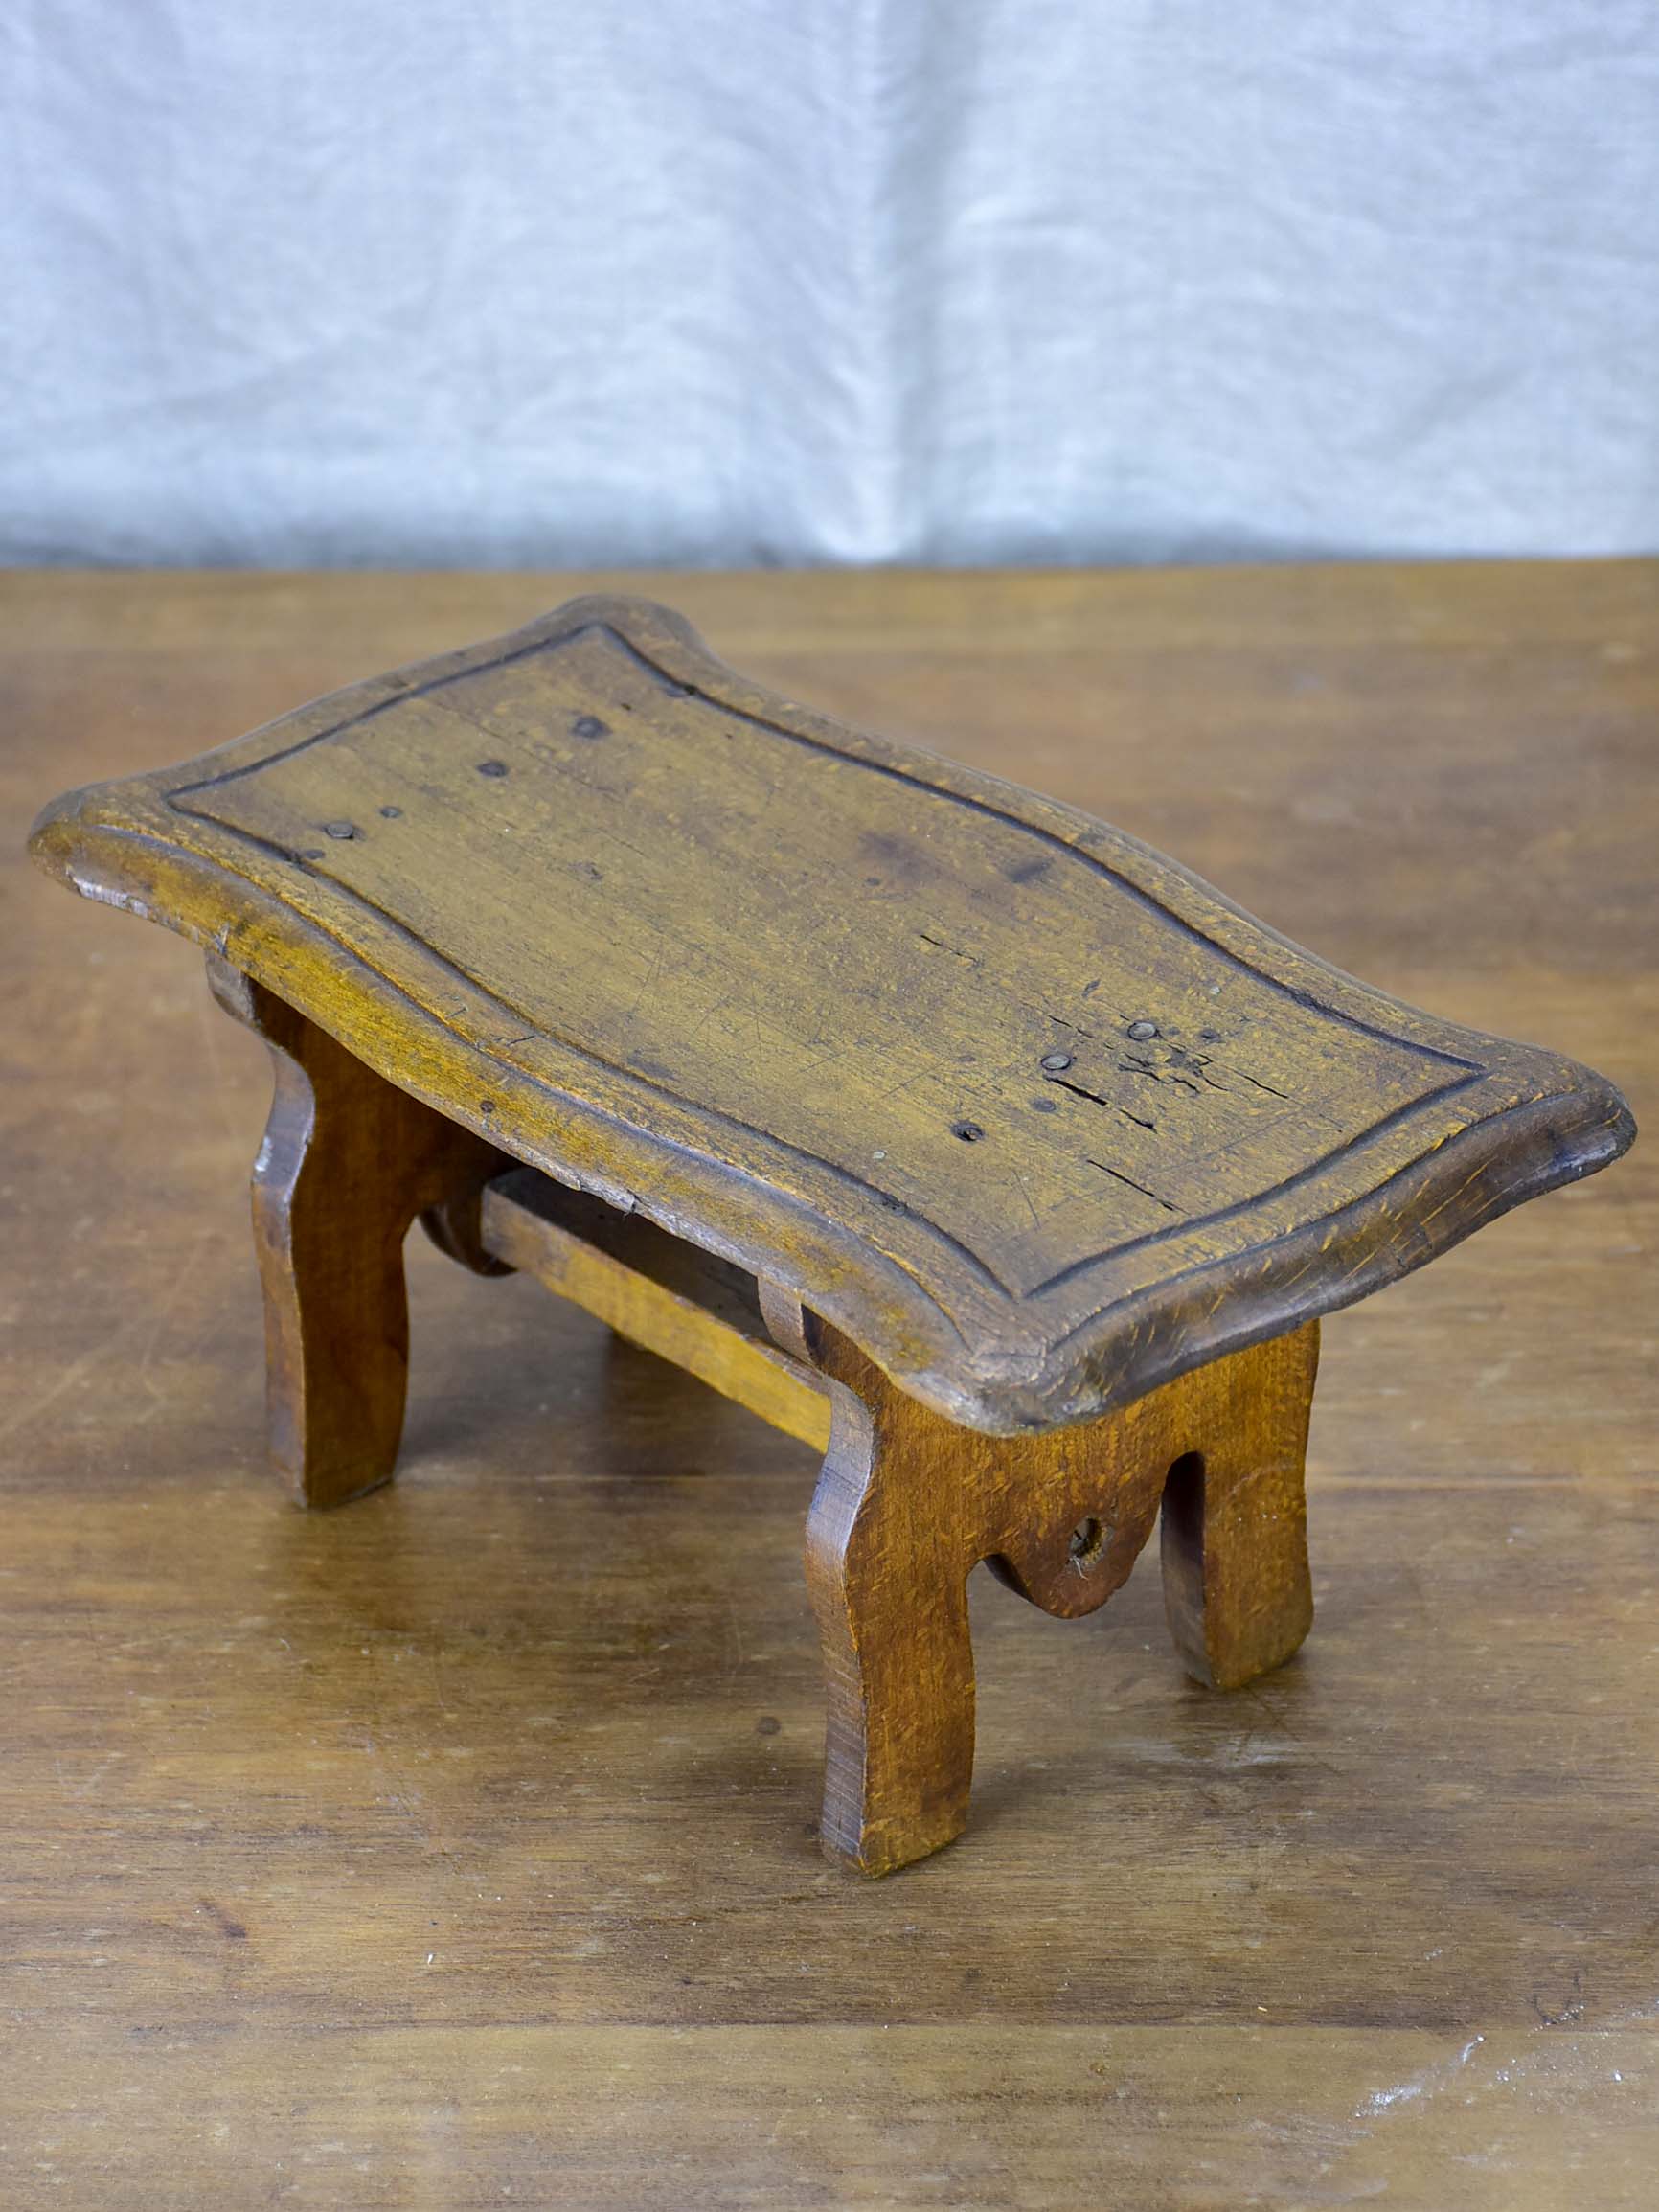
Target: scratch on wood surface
1439,2076
184,1273
1025,1193
30,1406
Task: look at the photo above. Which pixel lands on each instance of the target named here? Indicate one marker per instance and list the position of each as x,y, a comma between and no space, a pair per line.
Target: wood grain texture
1023,1107
454,1850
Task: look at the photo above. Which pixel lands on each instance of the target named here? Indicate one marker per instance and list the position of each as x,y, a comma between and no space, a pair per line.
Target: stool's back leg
347,1163
1234,1521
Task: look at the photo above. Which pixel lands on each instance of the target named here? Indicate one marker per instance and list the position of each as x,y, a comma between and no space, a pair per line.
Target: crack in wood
1118,1175
1081,1090
971,959
1131,1065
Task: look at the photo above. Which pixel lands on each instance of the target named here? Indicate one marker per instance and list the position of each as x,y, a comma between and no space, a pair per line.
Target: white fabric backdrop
532,280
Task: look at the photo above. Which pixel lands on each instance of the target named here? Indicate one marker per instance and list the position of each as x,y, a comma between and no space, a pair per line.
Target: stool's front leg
908,1503
889,1583
347,1163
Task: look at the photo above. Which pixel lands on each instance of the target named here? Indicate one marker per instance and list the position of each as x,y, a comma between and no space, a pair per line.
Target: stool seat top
1028,1110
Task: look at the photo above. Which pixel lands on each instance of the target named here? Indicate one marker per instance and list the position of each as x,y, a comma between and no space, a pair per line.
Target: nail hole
391,812
499,768
970,1133
589,726
1088,1540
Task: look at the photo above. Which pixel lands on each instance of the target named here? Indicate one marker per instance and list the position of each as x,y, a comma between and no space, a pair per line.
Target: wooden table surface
456,1849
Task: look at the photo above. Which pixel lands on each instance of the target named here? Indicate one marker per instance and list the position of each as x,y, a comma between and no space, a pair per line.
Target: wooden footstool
950,1130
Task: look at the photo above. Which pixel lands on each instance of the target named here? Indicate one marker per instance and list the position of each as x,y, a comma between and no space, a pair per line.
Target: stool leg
1235,1522
908,1502
891,1598
347,1163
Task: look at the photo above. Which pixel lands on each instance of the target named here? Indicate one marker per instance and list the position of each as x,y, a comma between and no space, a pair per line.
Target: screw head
970,1133
1057,1062
1140,1031
339,829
